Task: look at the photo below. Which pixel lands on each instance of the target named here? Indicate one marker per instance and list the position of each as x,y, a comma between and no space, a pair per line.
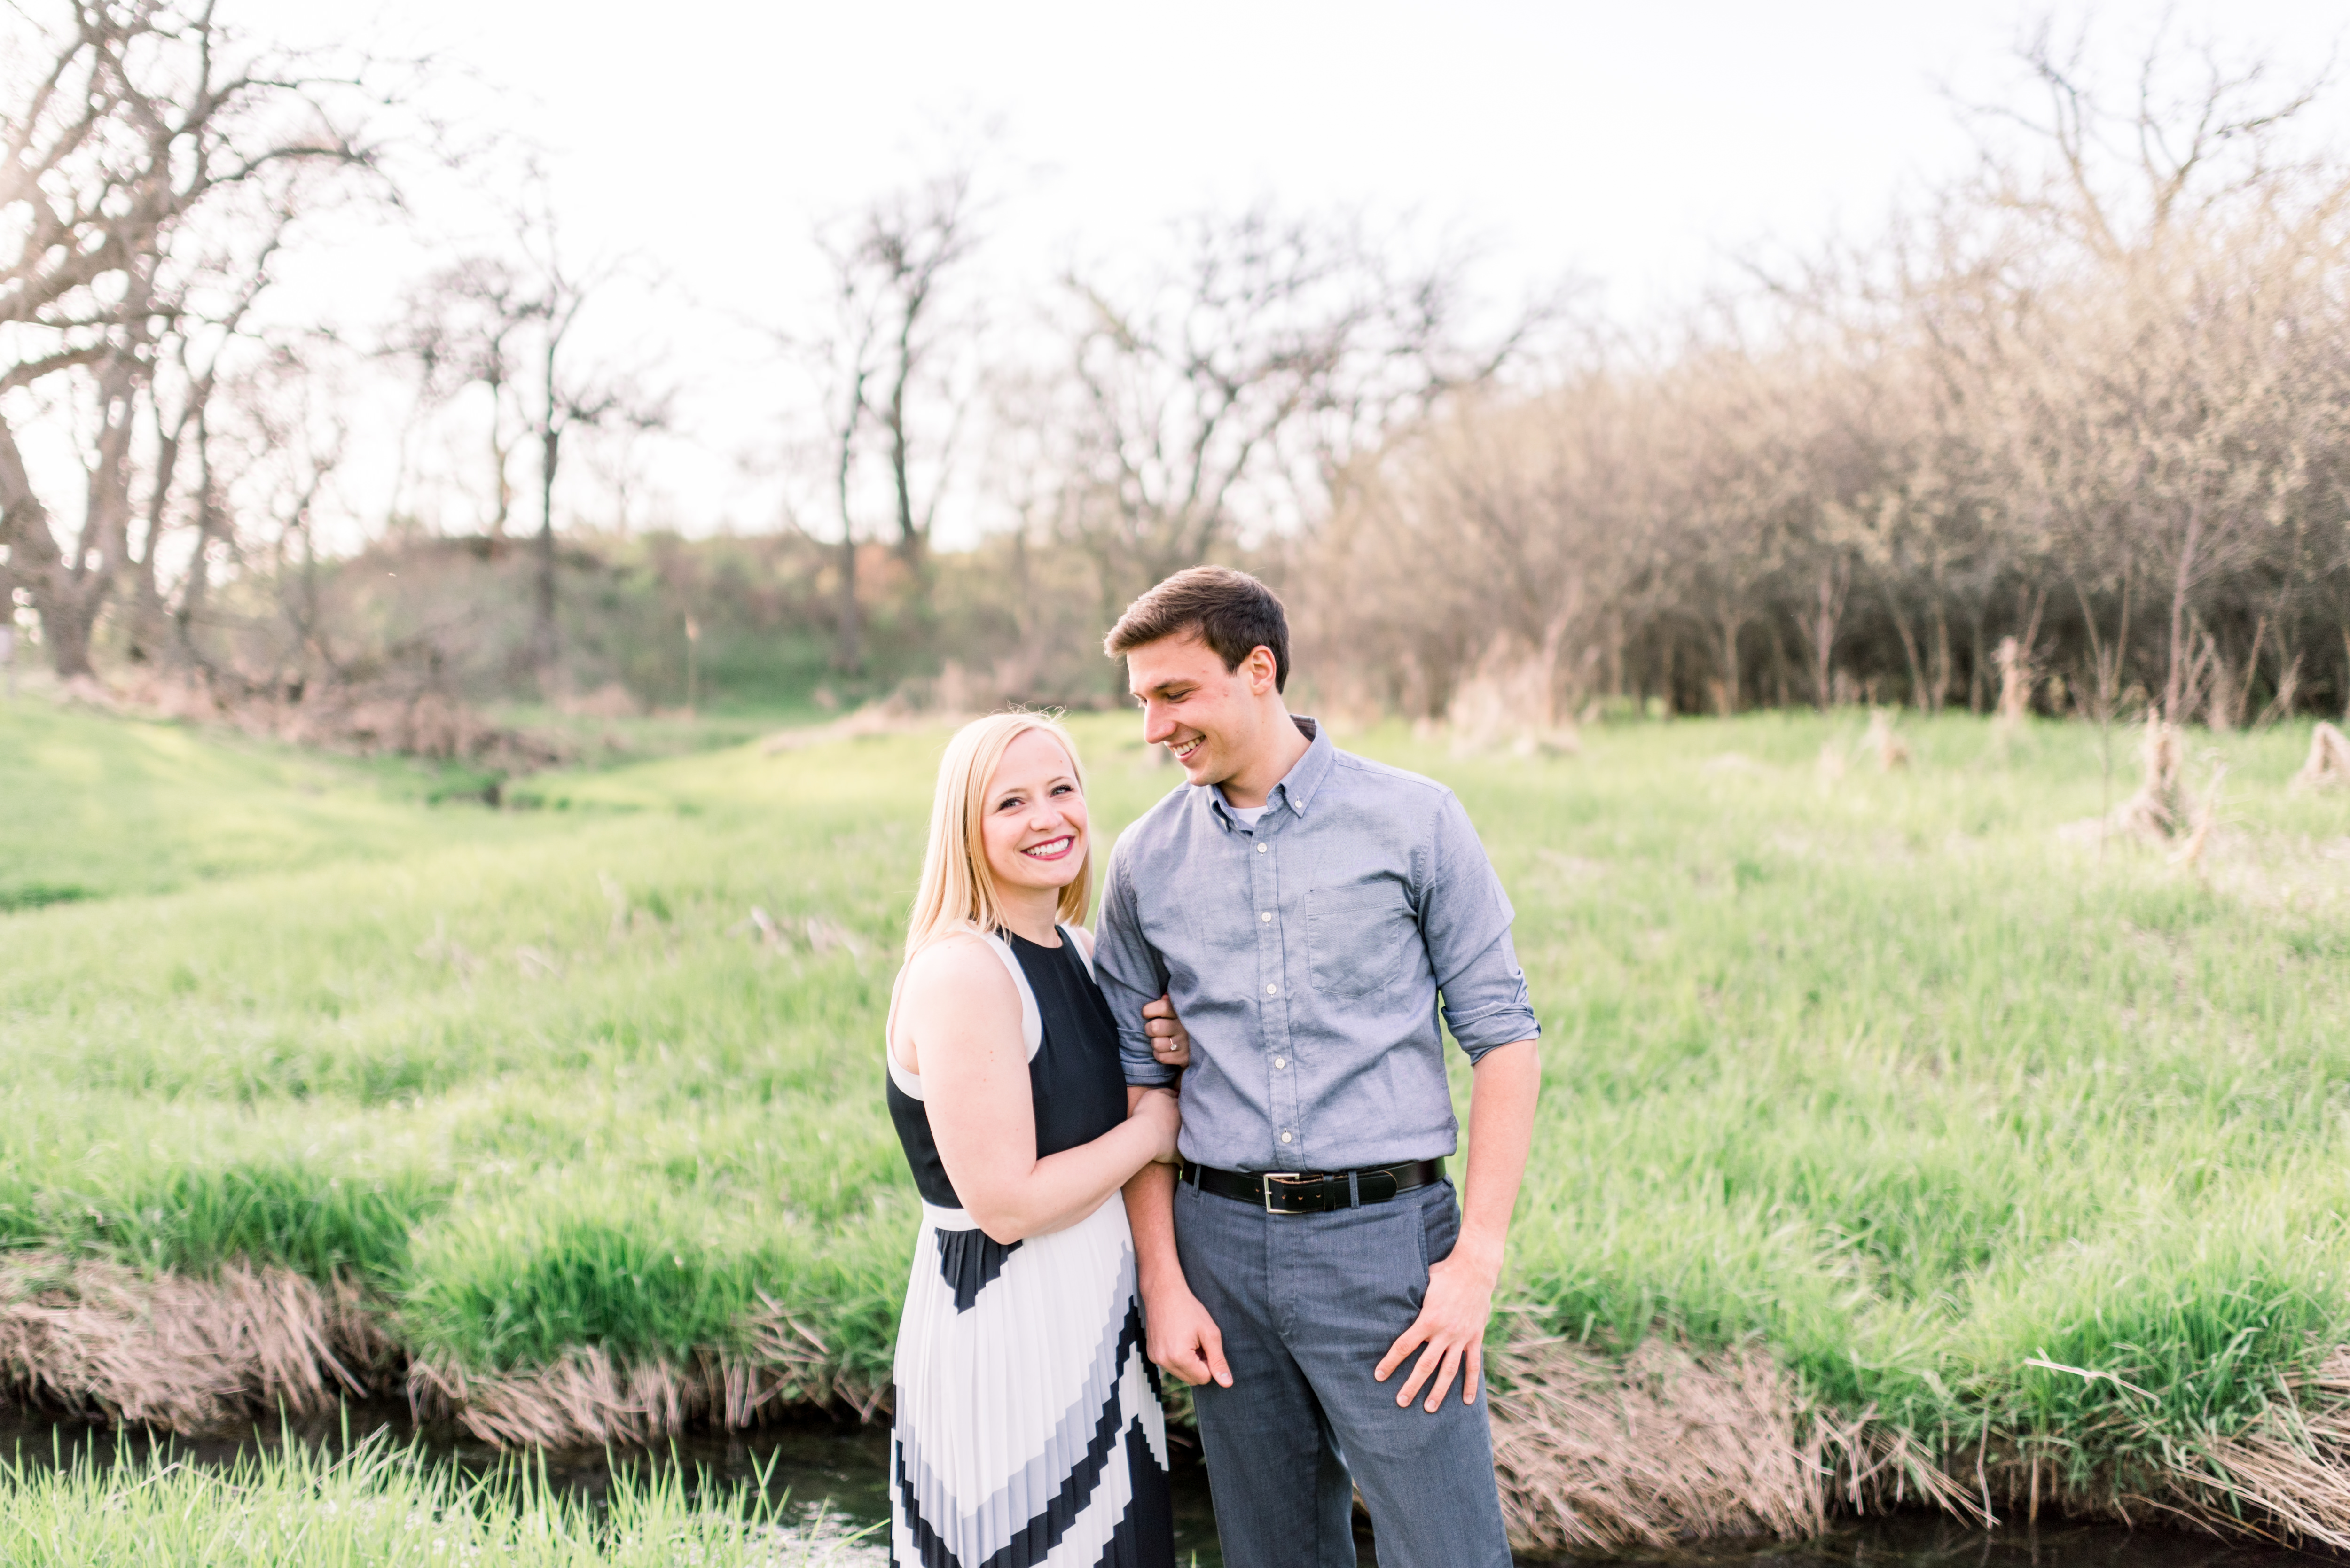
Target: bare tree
566,400
845,360
466,327
914,245
1235,387
896,366
507,324
140,117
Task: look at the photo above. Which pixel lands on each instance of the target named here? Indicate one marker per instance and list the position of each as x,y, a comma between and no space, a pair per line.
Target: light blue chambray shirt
1306,957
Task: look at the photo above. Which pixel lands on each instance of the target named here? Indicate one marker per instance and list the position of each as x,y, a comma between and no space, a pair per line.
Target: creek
839,1467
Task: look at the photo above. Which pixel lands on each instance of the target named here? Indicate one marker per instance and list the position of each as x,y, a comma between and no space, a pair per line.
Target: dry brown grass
1509,703
589,1398
1892,752
2161,807
1670,1446
1666,1446
892,715
189,1354
2203,817
2328,767
609,700
185,1354
2287,1480
368,721
1591,1455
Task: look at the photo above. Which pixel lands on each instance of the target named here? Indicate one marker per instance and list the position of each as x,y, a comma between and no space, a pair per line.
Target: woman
1027,1421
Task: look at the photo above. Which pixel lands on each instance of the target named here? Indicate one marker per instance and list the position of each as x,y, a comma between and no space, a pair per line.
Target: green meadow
1900,1076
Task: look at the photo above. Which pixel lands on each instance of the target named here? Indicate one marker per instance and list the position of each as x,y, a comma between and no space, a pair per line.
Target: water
1926,1541
840,1465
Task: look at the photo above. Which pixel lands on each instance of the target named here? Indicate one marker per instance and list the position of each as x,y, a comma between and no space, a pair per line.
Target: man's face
1209,717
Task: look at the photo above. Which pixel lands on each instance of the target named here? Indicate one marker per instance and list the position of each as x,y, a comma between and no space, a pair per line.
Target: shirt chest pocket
1356,939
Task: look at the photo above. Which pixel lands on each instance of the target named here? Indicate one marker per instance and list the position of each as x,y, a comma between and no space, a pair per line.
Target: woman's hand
1156,1109
1171,1043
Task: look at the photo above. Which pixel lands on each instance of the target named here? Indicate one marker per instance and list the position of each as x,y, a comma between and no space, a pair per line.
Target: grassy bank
2029,1143
381,1507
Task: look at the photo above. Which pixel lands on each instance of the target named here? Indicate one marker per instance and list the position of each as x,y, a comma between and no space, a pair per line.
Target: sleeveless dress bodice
1077,1086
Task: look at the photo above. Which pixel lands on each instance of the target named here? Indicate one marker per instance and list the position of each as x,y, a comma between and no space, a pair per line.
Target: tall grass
1897,1080
377,1506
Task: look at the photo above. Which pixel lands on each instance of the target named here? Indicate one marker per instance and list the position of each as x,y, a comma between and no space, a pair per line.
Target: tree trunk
1977,687
147,616
913,543
502,482
65,631
197,589
848,651
2182,580
847,655
103,543
543,598
1938,656
36,561
1820,628
1732,681
1921,690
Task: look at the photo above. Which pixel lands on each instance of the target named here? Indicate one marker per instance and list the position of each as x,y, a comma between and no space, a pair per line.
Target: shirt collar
1298,785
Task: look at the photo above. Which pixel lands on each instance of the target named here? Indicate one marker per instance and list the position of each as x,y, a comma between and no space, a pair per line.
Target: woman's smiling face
1033,821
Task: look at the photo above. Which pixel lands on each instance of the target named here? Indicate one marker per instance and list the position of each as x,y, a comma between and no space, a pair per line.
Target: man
1309,1270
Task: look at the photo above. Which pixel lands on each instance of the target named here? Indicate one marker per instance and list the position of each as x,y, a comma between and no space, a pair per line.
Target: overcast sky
1633,145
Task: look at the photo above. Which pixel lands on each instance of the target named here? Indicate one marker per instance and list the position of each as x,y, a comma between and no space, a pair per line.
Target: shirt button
1267,916
1284,1137
1273,990
1260,849
1279,1063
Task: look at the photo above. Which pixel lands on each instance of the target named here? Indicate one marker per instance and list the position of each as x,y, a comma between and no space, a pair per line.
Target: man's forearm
1508,1083
1150,1212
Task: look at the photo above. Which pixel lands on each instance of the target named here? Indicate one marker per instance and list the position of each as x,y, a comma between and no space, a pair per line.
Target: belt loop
1354,1190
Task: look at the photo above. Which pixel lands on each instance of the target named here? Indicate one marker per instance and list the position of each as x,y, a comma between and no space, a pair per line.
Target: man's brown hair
1230,612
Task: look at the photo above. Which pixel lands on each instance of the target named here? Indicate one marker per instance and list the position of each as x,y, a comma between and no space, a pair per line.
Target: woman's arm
962,1014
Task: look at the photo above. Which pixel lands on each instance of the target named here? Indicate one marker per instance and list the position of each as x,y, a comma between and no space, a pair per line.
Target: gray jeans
1307,1304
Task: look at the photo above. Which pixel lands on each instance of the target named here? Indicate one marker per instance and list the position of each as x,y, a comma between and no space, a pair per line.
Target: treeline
2073,426
161,172
2082,415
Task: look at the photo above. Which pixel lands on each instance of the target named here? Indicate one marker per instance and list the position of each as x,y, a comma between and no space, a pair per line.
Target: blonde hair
958,888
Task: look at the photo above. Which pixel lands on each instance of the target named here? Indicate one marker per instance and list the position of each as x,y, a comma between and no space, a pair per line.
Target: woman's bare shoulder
964,966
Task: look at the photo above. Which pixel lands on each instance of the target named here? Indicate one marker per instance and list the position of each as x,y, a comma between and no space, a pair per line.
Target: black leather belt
1315,1191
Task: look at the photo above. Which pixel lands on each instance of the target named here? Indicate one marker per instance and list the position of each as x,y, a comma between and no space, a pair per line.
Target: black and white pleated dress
1027,1424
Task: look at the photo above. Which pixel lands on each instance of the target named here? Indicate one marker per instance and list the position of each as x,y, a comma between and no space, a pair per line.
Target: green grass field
1893,1078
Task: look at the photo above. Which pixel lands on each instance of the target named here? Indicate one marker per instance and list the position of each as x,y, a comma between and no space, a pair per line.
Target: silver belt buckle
1265,1186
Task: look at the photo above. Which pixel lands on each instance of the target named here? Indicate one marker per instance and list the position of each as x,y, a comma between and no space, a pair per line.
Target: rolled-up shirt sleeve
1464,917
1131,975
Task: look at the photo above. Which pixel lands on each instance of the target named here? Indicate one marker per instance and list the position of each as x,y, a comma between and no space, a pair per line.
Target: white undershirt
1245,815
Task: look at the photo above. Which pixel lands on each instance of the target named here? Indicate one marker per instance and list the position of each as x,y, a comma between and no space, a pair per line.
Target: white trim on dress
1032,1021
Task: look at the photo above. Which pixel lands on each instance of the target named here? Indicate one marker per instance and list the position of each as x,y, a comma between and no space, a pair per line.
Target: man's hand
1183,1339
1171,1043
1451,1326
